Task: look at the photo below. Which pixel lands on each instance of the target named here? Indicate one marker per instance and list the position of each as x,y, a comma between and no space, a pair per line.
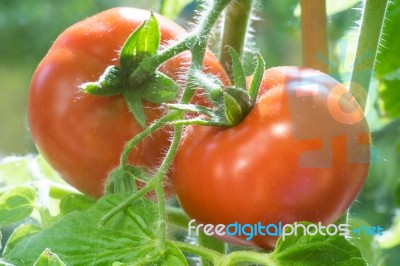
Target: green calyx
156,88
231,104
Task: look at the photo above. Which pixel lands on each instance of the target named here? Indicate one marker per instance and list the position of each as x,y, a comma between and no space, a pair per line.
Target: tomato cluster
300,154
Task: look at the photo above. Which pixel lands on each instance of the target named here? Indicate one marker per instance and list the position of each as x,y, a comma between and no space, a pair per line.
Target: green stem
150,64
163,6
368,43
208,254
144,190
199,40
237,18
314,35
162,223
159,177
246,256
146,132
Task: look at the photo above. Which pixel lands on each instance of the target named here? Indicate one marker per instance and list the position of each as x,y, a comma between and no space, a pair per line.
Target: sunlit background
28,28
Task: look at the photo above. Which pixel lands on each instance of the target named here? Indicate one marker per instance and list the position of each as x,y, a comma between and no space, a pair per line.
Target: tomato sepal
109,83
257,78
237,69
120,180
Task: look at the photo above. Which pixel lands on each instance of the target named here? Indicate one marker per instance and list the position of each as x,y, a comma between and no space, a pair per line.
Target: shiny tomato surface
301,154
82,135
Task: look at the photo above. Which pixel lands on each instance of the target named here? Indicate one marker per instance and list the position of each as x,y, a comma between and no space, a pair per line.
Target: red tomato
80,135
301,154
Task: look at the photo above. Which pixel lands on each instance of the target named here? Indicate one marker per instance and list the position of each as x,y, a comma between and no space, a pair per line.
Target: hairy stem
198,51
205,253
368,43
314,35
198,43
146,132
236,23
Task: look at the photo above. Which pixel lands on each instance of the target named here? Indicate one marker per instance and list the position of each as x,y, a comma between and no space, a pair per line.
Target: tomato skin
301,154
81,135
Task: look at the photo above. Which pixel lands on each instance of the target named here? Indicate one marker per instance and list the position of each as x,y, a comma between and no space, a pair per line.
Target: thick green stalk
368,43
314,35
236,23
204,252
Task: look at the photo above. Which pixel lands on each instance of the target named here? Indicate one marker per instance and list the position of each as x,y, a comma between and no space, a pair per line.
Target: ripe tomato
81,135
301,154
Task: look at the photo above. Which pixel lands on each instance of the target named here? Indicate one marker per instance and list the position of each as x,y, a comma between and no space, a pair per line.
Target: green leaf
159,89
242,97
257,78
73,202
135,105
48,258
14,170
173,256
233,111
237,69
379,193
78,240
149,39
387,66
316,250
391,236
172,8
109,83
47,172
16,204
21,232
367,244
2,263
144,41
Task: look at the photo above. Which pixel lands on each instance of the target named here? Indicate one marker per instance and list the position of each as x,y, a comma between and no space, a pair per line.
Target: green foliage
78,240
48,258
171,8
377,200
16,204
316,250
388,65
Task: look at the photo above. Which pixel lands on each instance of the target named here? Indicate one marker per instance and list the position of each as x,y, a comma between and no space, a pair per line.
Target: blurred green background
28,28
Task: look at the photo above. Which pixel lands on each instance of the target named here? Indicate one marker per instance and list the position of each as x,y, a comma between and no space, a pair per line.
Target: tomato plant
81,135
128,99
301,154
